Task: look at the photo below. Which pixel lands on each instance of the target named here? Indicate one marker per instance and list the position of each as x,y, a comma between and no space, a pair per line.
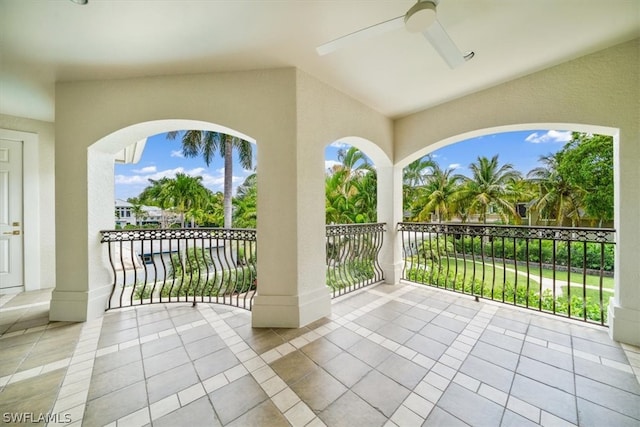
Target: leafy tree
417,172
489,186
245,203
586,162
207,143
556,197
521,191
183,193
152,195
572,183
438,195
415,175
351,189
137,210
211,214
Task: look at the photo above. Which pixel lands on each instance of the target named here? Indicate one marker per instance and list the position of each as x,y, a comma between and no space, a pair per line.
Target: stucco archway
625,295
100,206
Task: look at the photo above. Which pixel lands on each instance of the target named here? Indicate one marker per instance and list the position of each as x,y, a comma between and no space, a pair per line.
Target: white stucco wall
325,115
293,116
43,272
595,93
260,104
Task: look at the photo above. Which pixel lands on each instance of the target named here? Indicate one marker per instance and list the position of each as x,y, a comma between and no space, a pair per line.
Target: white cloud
455,166
339,144
214,182
146,169
130,180
549,136
196,172
177,153
211,181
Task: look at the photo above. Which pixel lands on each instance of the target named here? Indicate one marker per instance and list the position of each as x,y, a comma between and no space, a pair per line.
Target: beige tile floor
388,356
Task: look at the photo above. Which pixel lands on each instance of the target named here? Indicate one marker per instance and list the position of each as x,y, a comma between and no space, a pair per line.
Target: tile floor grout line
251,362
88,338
22,307
230,375
480,314
298,409
4,299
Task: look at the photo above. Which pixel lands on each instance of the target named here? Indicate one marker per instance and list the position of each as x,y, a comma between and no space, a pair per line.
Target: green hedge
350,273
227,282
508,293
539,251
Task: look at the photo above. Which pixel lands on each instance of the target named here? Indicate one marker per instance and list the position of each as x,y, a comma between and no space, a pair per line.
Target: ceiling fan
420,18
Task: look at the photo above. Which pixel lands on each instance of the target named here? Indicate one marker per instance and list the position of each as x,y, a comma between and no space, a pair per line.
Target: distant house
153,215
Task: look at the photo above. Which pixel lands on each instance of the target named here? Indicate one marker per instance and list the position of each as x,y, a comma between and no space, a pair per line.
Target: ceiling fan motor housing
420,16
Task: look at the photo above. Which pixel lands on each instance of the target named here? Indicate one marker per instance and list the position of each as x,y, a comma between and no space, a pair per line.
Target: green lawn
591,280
592,294
499,273
491,275
492,285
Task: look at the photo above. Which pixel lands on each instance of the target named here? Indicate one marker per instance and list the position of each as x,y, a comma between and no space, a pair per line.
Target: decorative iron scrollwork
594,235
244,234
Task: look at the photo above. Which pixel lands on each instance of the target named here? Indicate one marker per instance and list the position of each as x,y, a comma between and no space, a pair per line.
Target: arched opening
354,233
160,263
533,177
350,185
532,234
146,172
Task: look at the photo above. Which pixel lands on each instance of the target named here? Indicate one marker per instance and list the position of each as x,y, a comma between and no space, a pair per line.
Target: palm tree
136,209
417,172
365,199
152,195
184,193
489,186
438,195
556,197
415,175
207,143
350,189
521,191
245,202
353,163
336,201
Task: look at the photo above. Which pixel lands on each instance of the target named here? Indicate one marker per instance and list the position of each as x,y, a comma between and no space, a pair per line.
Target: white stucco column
83,282
390,212
292,289
624,306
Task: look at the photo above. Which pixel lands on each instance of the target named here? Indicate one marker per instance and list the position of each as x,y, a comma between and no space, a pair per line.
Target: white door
11,256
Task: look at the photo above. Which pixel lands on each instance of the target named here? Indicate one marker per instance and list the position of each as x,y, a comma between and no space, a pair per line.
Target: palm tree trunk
228,180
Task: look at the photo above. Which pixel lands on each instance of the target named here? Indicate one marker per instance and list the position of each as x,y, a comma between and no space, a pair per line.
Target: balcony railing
564,271
352,256
182,265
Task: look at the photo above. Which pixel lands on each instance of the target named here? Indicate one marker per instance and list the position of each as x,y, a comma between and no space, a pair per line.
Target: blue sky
163,158
521,149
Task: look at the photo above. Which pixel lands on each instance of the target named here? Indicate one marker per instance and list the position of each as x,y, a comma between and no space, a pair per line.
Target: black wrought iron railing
564,271
182,265
353,252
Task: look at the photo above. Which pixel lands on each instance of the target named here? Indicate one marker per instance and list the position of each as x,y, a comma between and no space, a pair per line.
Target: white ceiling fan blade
366,33
441,41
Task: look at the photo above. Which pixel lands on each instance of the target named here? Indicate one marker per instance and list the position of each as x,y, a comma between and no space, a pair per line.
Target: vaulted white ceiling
46,41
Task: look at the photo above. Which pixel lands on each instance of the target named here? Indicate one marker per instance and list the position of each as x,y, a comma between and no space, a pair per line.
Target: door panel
11,240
